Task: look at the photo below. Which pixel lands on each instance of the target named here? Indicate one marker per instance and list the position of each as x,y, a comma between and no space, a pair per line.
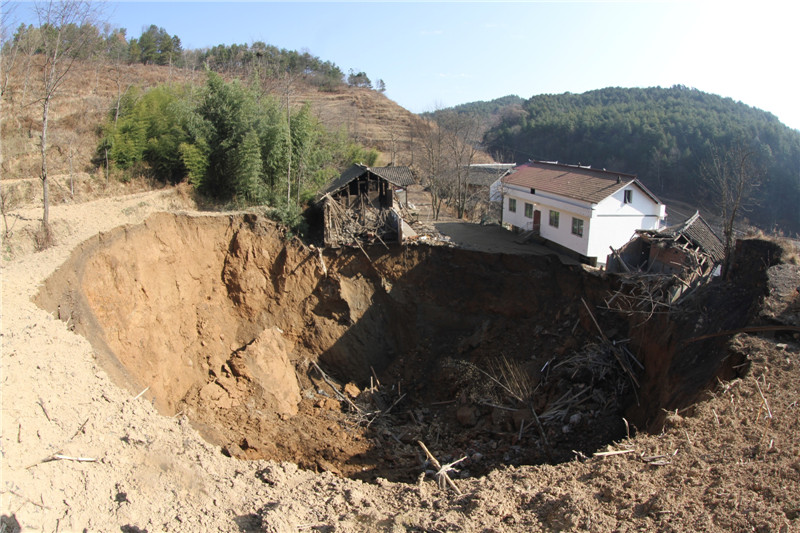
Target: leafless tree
732,175
67,28
289,82
462,138
273,78
430,148
115,54
447,145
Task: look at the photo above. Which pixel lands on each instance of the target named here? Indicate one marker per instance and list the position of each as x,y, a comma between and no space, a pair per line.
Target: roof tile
576,182
398,176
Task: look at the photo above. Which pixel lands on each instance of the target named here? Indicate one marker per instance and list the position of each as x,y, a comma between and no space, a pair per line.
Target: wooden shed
363,204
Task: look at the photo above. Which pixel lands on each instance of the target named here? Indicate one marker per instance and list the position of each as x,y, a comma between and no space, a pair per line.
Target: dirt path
146,471
733,465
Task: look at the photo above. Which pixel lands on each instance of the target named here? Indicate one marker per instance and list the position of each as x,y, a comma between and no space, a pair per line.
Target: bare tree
732,175
430,140
26,42
462,136
5,67
273,77
68,29
448,145
290,80
115,54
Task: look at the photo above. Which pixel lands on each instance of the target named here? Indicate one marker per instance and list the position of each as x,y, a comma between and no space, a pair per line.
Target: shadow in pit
452,335
681,365
445,332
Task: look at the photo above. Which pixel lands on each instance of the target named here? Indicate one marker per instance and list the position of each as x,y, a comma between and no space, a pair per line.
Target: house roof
699,233
398,176
480,175
485,175
572,181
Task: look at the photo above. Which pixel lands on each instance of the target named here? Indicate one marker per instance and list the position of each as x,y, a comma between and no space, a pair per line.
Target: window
512,205
528,210
628,196
533,191
577,227
554,218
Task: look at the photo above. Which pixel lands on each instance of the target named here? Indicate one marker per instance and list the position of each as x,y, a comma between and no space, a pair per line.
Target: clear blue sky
442,54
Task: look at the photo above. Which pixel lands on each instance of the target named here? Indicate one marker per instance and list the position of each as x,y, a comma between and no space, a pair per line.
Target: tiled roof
485,175
580,183
481,175
697,231
344,178
398,176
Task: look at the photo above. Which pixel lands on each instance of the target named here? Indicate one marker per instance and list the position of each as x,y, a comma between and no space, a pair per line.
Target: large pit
342,360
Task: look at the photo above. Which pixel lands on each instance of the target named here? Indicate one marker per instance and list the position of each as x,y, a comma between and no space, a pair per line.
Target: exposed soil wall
221,318
682,353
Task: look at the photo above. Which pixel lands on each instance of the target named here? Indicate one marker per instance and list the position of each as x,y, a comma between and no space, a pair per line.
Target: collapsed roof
397,176
696,231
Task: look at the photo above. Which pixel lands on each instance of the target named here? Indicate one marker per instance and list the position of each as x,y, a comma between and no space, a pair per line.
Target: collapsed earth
559,411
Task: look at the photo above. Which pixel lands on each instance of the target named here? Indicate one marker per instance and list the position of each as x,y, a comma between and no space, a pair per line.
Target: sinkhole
344,360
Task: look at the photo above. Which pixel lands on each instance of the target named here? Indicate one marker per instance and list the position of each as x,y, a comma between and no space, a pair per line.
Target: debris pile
360,223
658,267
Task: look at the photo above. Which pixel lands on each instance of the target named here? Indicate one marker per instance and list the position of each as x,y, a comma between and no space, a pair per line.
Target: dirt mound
342,361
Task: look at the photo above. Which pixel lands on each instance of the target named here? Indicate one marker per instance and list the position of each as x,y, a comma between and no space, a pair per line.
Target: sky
432,55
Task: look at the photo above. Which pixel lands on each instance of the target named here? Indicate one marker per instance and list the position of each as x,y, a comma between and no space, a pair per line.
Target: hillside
489,113
92,88
663,136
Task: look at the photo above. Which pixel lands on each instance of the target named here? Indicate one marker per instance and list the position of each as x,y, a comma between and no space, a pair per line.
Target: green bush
231,145
291,217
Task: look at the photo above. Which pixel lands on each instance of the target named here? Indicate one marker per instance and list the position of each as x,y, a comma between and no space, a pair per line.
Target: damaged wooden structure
689,246
364,204
660,266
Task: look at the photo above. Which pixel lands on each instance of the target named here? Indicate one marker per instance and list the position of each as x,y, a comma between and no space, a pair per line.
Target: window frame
512,205
577,226
528,213
627,196
554,218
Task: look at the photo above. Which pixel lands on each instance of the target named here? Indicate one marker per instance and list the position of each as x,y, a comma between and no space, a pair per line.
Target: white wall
496,191
518,217
612,222
544,202
641,204
563,233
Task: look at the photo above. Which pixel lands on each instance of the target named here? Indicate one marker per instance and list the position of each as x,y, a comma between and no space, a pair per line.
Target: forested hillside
130,108
662,135
488,113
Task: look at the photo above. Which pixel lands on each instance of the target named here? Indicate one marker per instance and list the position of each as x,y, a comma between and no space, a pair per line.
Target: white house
582,209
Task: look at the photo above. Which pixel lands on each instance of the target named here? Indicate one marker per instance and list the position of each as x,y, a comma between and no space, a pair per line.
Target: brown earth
222,307
90,92
217,315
